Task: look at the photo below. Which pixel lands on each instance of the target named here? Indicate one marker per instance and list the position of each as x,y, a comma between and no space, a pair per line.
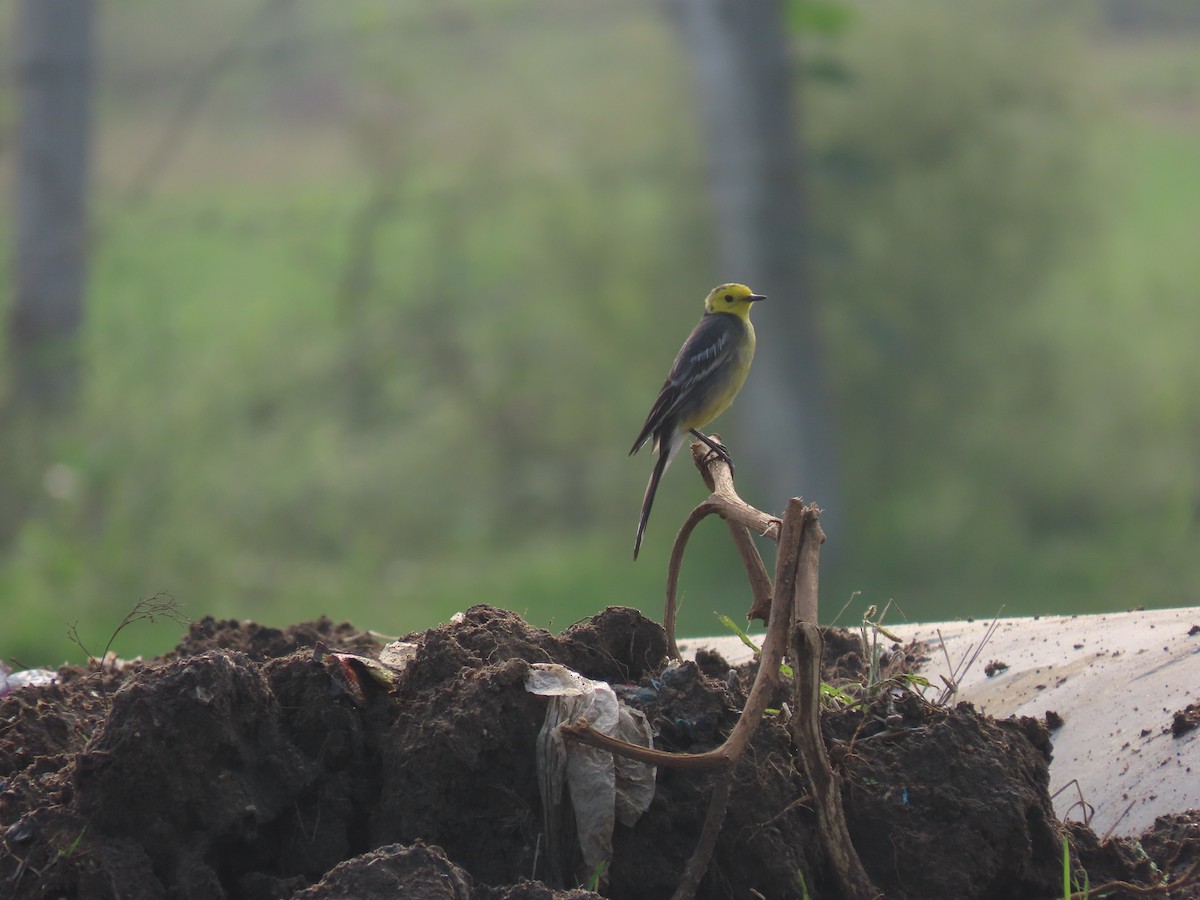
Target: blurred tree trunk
54,73
49,259
745,84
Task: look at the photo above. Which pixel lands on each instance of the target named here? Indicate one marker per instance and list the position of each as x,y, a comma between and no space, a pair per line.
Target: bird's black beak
754,297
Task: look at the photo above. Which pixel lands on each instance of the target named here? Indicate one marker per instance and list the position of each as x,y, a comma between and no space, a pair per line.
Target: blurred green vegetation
1012,281
370,333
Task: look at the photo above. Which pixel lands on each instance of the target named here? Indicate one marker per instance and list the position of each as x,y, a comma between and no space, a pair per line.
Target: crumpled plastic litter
604,789
11,681
345,668
398,654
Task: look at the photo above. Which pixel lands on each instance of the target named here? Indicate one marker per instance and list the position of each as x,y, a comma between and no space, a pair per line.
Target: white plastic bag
603,789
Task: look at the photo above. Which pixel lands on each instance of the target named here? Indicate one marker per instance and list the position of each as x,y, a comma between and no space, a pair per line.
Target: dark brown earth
1184,720
239,766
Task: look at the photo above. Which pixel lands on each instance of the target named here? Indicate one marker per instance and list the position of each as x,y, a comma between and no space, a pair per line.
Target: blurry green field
283,420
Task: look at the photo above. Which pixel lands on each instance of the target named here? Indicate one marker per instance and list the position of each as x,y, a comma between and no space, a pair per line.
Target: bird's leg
716,448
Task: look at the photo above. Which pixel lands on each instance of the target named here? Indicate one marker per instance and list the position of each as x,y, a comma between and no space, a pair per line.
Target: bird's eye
729,298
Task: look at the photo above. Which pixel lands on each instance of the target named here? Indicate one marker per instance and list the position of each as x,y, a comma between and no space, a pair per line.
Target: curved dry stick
796,578
756,573
799,536
693,872
765,683
727,755
792,530
697,515
740,517
1140,890
584,733
718,478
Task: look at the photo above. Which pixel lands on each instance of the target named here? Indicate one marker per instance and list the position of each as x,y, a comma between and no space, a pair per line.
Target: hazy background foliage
381,291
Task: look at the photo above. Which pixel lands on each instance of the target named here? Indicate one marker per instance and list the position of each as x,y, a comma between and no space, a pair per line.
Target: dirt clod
1184,720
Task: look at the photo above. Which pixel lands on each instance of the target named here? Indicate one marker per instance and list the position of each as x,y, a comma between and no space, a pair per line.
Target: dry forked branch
792,610
765,683
799,568
778,626
739,515
741,518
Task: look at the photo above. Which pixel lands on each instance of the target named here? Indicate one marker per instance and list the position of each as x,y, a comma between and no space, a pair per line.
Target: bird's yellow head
731,298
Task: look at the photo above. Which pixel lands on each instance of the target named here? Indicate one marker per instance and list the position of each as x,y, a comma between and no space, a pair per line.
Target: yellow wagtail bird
707,374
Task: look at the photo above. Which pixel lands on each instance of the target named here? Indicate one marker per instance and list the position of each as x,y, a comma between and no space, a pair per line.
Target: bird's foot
716,447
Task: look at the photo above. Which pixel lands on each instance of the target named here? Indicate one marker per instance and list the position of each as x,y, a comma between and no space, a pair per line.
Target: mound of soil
251,764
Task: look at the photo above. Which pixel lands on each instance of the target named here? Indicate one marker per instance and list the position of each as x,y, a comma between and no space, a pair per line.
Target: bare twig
765,683
1087,808
756,572
584,733
1188,877
731,750
796,577
697,865
718,478
949,681
792,608
697,515
854,595
1113,826
148,609
741,518
970,655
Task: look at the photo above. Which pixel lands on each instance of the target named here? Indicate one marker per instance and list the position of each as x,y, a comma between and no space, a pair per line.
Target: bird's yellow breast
725,388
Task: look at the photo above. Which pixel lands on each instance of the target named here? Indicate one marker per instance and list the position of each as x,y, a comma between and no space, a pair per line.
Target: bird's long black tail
660,466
